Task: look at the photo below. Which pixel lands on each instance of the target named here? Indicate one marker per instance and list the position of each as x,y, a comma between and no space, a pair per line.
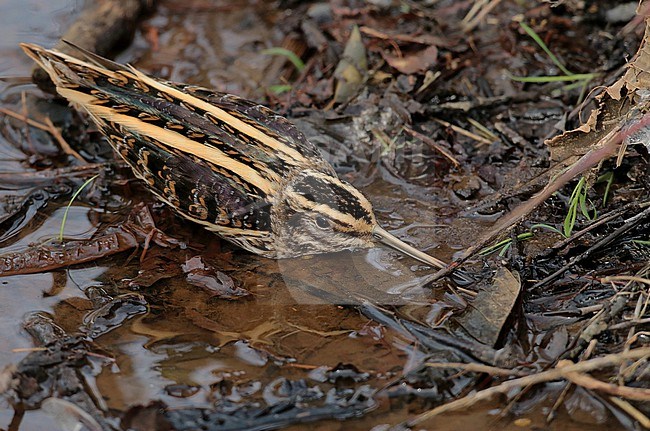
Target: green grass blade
494,247
608,178
560,78
542,45
546,226
570,221
505,249
290,55
67,208
279,88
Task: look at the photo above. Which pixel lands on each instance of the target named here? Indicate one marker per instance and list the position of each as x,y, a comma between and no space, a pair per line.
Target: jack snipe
229,164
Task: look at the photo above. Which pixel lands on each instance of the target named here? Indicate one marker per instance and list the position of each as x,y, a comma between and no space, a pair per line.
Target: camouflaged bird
229,164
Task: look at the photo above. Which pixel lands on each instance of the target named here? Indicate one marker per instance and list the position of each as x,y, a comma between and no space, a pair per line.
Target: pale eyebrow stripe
349,188
327,211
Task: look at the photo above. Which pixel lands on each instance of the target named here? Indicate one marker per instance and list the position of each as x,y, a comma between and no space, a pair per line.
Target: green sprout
506,243
582,78
578,204
67,208
290,55
293,58
608,179
279,88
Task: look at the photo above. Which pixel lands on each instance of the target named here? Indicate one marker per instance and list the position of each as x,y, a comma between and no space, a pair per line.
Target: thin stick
561,371
25,119
588,382
632,411
64,145
478,368
433,143
49,127
463,132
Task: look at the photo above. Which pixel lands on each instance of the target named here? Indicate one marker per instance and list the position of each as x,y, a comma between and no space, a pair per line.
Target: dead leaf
69,416
413,63
492,307
7,378
352,69
622,115
216,283
423,39
613,111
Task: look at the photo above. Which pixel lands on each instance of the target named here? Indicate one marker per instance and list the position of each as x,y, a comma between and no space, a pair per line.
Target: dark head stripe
332,194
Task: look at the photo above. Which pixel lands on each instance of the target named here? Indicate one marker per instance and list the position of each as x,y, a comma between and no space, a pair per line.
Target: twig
47,126
31,178
25,119
463,132
477,14
478,368
432,143
632,411
588,382
559,372
629,225
64,145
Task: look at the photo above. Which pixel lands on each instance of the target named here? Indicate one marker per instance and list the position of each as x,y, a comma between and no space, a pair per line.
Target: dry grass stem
433,144
47,126
461,131
562,371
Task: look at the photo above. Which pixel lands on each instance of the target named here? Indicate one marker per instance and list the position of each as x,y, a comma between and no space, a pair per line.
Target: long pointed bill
391,241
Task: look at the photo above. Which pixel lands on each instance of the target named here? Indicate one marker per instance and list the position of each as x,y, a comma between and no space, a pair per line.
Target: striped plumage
229,164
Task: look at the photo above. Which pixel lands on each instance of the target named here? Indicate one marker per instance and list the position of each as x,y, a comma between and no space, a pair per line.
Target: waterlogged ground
195,334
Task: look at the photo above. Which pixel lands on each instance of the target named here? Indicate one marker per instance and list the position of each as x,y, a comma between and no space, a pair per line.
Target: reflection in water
190,339
352,277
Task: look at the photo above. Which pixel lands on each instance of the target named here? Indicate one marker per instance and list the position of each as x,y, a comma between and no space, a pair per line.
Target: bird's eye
322,222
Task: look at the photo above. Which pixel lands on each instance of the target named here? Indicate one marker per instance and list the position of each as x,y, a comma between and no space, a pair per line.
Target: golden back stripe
294,157
29,48
173,140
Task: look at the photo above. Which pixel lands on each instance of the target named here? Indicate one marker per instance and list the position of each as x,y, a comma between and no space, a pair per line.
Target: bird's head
319,213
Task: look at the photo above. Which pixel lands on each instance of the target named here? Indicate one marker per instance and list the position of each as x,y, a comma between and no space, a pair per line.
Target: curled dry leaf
413,63
351,70
215,282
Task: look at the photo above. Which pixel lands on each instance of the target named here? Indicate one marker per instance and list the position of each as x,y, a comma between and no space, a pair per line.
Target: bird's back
216,158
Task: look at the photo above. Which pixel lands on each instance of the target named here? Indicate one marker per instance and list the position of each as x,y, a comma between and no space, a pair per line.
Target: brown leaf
492,307
216,283
352,68
616,120
413,63
612,112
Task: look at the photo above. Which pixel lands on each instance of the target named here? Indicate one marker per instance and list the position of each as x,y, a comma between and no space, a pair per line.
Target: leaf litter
532,317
